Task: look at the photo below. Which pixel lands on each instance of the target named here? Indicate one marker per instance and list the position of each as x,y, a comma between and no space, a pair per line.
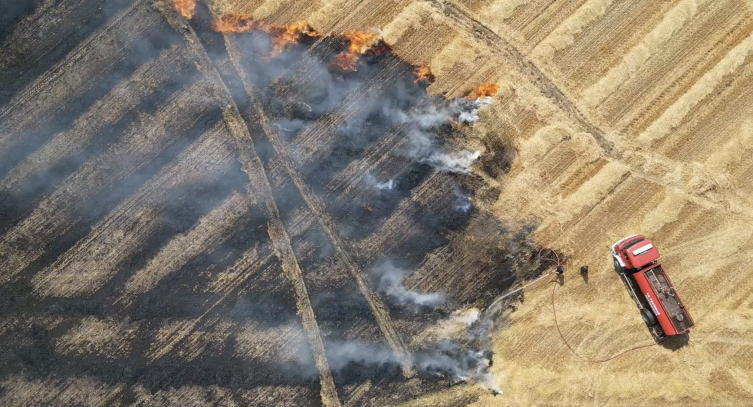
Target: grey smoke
450,360
341,354
418,114
390,281
421,118
467,357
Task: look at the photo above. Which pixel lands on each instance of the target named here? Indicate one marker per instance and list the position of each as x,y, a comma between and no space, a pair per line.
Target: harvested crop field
248,202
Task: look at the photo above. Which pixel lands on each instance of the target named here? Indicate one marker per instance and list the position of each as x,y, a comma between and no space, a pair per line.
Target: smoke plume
341,354
381,185
390,281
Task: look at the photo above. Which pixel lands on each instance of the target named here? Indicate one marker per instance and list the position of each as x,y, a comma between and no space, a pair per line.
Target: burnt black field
391,203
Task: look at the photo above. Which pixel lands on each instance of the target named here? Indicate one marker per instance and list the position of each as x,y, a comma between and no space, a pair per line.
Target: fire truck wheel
618,268
648,317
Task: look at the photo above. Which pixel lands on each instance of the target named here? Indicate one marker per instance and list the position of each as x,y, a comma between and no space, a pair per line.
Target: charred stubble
377,151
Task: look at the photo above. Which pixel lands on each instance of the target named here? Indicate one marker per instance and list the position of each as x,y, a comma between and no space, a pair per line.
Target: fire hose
556,323
518,290
554,310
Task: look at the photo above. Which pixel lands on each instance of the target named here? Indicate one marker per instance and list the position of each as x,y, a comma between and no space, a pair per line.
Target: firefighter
584,270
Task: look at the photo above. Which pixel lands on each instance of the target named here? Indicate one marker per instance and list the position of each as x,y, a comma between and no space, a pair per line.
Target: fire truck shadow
676,342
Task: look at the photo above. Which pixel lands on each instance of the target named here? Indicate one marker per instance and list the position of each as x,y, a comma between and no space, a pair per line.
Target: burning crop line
359,43
423,73
484,90
186,8
280,35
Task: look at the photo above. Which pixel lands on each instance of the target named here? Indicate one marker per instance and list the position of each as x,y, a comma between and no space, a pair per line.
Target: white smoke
452,361
422,118
390,282
424,150
465,355
469,108
386,185
458,162
423,146
389,184
462,201
467,318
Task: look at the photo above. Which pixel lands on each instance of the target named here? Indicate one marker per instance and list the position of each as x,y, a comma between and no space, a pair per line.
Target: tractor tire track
467,23
259,186
381,314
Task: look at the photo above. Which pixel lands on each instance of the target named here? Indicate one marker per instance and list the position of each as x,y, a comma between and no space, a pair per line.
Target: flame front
283,35
484,90
423,73
185,7
360,41
345,61
280,35
234,23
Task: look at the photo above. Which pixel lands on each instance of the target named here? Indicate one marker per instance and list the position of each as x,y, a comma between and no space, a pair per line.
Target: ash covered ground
267,216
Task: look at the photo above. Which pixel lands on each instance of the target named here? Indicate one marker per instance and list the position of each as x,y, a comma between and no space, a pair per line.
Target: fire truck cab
636,259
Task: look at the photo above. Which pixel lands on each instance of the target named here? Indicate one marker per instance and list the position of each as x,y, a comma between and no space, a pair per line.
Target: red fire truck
636,258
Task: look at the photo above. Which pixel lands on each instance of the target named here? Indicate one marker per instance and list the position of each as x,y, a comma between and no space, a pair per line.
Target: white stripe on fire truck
643,249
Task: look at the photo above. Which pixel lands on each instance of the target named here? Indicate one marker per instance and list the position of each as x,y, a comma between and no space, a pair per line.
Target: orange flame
291,34
234,23
423,73
378,48
360,41
345,61
281,35
185,7
367,207
484,90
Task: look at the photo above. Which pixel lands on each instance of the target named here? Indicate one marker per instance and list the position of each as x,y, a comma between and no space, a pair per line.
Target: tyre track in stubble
467,23
259,186
380,311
